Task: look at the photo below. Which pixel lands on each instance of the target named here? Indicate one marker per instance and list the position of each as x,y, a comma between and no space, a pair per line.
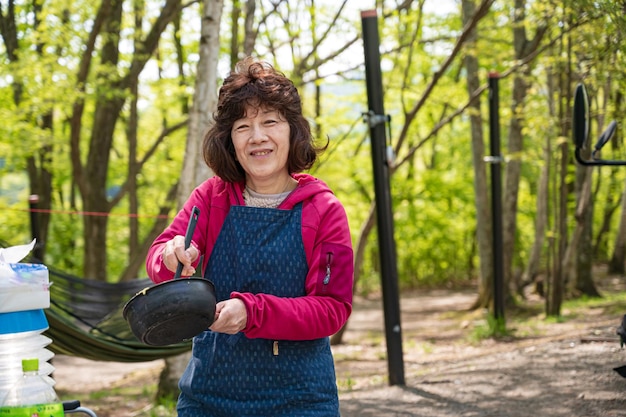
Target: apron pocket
309,372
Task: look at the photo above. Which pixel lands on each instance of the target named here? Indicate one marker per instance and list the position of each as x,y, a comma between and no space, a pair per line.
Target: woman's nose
258,134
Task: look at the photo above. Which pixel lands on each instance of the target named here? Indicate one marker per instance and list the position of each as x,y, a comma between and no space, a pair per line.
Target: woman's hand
175,251
231,316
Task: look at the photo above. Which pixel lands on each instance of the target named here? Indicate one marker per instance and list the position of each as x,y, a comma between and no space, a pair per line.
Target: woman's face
261,141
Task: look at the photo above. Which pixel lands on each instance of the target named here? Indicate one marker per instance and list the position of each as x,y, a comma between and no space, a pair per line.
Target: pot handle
191,226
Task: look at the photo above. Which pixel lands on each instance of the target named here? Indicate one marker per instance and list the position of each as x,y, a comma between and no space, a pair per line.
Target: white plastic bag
23,286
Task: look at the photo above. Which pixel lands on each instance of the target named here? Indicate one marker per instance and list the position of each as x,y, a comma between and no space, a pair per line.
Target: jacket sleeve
155,268
328,301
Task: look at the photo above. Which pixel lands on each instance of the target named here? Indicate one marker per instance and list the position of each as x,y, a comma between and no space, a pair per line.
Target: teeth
260,153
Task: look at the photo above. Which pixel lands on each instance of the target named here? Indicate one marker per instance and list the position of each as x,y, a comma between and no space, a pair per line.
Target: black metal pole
33,203
376,118
496,196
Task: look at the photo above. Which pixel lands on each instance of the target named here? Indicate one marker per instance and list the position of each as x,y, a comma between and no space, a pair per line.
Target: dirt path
548,369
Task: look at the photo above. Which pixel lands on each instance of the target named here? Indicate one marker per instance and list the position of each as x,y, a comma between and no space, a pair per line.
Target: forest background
103,106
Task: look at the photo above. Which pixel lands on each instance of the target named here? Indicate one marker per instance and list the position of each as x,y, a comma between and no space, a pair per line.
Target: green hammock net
85,320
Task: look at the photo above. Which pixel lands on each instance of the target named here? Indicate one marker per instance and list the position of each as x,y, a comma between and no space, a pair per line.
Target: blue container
23,321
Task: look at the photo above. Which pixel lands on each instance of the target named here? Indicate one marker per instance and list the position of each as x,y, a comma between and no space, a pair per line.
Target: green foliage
166,406
492,327
46,72
432,188
15,223
434,232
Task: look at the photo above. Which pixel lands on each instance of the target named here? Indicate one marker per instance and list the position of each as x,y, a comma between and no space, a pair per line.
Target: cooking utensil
173,311
580,129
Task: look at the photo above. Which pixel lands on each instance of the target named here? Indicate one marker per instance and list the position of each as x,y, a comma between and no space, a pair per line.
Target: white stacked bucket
21,338
24,294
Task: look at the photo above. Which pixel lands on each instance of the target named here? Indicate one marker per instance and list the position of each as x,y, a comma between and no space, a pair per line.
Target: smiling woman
261,141
276,244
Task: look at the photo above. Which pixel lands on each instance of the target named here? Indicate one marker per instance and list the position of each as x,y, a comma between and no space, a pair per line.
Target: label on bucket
41,410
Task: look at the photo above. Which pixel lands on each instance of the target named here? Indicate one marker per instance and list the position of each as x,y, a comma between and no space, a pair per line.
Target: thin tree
194,170
524,48
91,175
484,227
533,266
39,162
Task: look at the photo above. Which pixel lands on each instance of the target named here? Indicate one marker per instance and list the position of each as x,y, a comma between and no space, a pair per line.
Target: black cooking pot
172,311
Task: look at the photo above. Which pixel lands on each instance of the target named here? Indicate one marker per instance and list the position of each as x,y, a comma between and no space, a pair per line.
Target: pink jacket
327,243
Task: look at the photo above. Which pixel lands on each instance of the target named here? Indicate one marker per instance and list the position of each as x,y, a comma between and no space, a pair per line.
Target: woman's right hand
231,316
174,251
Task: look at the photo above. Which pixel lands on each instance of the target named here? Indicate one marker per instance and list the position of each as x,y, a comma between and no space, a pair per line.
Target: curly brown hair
256,83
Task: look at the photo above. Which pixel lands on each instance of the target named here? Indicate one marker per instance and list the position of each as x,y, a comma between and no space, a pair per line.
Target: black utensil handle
580,116
606,135
191,226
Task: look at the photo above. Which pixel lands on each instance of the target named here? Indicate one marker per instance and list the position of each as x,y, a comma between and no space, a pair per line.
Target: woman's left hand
231,316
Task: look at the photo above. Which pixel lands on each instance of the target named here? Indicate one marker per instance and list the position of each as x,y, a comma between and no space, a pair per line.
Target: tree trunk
484,226
616,264
554,295
512,175
523,49
577,260
558,245
541,220
194,169
131,138
543,195
599,247
584,272
359,256
138,257
171,373
235,14
250,33
94,191
39,176
91,178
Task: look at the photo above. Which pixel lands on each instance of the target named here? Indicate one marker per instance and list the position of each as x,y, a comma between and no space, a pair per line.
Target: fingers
230,316
174,252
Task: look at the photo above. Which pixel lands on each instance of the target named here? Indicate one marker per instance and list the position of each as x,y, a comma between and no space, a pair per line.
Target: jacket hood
308,186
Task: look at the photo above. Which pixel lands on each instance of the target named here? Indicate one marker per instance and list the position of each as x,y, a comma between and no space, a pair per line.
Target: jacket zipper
329,259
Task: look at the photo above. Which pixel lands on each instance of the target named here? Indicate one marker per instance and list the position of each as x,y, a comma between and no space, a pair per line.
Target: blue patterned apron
258,250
